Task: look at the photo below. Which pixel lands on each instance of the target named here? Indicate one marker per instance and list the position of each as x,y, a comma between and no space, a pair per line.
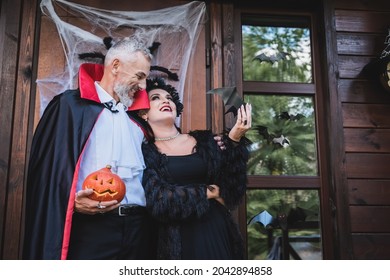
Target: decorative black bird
97,55
107,42
154,47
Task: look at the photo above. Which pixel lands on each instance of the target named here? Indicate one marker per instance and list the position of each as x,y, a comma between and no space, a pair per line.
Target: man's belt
127,210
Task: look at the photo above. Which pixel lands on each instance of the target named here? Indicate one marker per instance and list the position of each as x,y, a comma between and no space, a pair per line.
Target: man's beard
123,93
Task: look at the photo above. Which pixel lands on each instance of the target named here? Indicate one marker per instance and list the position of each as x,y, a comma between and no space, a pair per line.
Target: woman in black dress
191,184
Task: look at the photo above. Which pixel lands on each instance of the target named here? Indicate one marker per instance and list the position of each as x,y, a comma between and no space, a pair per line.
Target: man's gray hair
124,50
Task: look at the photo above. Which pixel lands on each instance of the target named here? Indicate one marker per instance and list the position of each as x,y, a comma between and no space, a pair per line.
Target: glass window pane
276,54
283,224
283,135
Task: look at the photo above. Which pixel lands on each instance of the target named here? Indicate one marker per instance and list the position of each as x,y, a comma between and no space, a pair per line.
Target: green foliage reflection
283,136
276,54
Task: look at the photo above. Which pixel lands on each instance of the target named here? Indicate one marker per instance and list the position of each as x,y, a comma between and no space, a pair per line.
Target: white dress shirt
115,140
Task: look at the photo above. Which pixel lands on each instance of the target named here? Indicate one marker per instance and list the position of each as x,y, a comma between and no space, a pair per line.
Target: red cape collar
90,72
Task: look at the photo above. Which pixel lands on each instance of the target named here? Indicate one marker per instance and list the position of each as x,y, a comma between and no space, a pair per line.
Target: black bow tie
109,106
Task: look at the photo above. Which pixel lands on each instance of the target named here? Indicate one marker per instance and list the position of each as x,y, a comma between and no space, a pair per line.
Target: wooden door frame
226,72
18,60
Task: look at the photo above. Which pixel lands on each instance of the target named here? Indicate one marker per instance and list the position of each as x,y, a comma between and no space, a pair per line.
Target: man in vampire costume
80,132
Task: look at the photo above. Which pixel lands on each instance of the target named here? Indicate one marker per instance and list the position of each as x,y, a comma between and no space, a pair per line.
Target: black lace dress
206,237
190,225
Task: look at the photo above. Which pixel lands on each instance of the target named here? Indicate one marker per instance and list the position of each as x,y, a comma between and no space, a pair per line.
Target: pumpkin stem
108,166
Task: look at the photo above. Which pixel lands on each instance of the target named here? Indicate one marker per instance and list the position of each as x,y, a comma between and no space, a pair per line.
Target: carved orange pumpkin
105,184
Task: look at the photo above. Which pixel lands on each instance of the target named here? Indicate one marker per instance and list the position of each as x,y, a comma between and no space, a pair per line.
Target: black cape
58,143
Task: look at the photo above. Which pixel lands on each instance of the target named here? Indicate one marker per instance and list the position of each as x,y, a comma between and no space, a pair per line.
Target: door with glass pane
283,208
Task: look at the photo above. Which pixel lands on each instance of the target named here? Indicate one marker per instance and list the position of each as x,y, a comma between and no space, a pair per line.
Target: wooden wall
360,30
359,121
17,56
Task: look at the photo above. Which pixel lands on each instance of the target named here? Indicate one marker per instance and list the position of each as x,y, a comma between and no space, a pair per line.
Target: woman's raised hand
243,123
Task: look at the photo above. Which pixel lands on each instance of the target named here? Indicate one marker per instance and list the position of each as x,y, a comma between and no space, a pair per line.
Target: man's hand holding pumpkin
83,204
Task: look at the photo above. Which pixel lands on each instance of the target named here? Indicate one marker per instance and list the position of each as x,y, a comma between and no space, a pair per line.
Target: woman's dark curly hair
159,83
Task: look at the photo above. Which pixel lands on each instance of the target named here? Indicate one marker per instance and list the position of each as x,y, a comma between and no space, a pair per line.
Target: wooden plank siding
369,192
368,166
360,31
18,54
367,140
371,219
361,91
9,28
356,108
360,44
366,115
371,246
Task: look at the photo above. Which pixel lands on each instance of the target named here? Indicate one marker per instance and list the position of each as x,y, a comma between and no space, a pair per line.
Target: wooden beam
216,66
10,21
20,124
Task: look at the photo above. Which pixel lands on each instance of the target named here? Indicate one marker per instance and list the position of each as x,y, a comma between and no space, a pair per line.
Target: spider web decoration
176,28
386,51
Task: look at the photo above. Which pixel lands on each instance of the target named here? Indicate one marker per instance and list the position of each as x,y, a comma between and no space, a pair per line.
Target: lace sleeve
170,202
233,173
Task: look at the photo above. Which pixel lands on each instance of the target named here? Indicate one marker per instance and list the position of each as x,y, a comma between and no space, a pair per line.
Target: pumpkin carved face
105,184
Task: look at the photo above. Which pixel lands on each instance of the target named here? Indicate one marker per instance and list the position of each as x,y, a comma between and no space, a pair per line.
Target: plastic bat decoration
272,138
271,58
230,97
296,214
263,218
263,131
266,219
287,116
282,141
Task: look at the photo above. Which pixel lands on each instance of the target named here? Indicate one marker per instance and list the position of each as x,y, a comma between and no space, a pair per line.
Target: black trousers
108,237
